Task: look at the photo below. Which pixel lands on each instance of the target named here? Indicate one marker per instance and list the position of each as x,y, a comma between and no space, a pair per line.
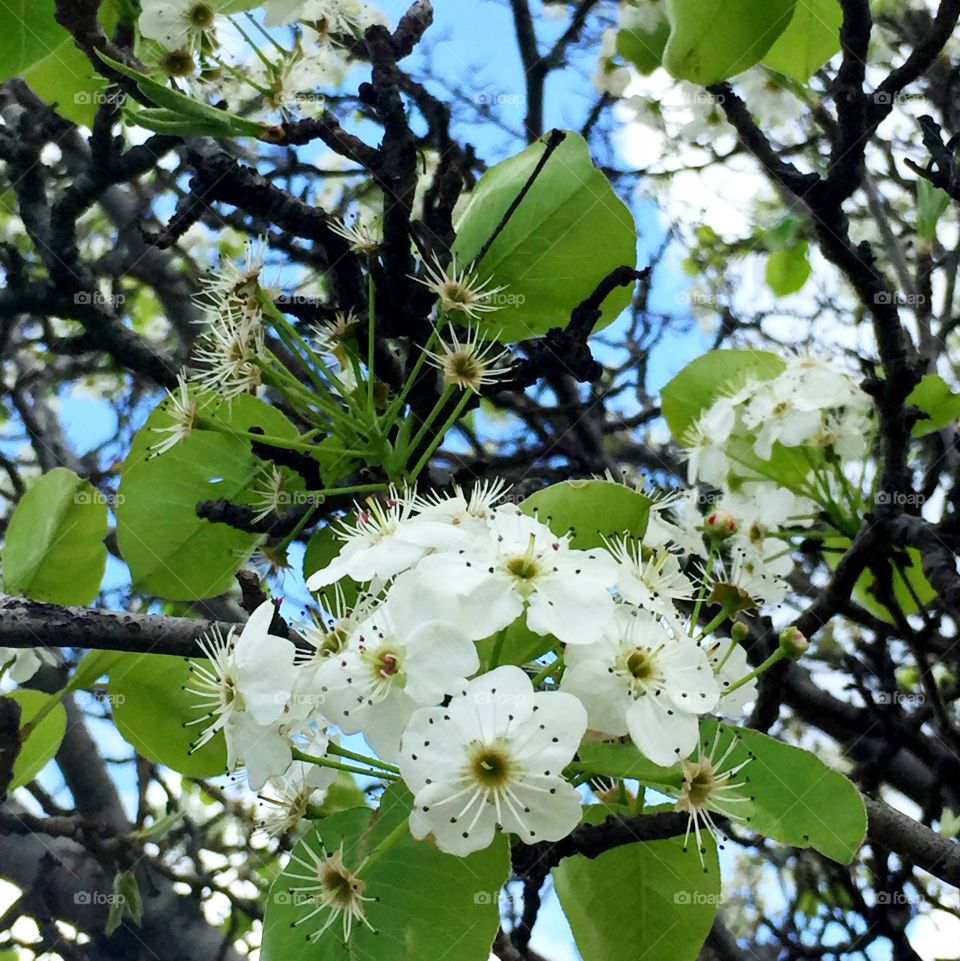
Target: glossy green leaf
810,40
172,553
54,548
932,202
520,645
642,48
711,40
66,77
40,743
788,270
151,708
707,378
569,232
796,798
592,509
429,904
639,902
940,404
622,759
29,32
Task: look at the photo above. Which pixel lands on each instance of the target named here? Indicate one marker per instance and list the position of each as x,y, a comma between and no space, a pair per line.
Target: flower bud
793,643
721,524
739,632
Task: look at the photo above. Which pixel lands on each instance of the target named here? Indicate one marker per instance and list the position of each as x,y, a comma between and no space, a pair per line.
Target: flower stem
338,766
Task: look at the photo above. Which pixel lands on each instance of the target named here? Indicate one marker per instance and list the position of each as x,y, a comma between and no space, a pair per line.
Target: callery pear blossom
286,798
709,787
643,680
412,650
520,564
493,756
178,24
331,888
243,690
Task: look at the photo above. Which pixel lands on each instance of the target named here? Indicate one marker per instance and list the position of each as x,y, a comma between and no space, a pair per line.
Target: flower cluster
810,404
196,40
424,666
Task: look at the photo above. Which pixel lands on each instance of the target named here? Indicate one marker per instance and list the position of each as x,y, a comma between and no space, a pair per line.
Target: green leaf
591,509
715,39
707,378
639,902
151,708
940,404
66,77
172,553
29,32
931,204
788,270
520,644
429,904
909,586
622,759
569,232
41,738
644,49
197,117
797,799
54,548
810,40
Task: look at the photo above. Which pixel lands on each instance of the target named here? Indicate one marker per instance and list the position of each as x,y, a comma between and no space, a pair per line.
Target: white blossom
243,689
522,565
494,756
644,680
412,650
